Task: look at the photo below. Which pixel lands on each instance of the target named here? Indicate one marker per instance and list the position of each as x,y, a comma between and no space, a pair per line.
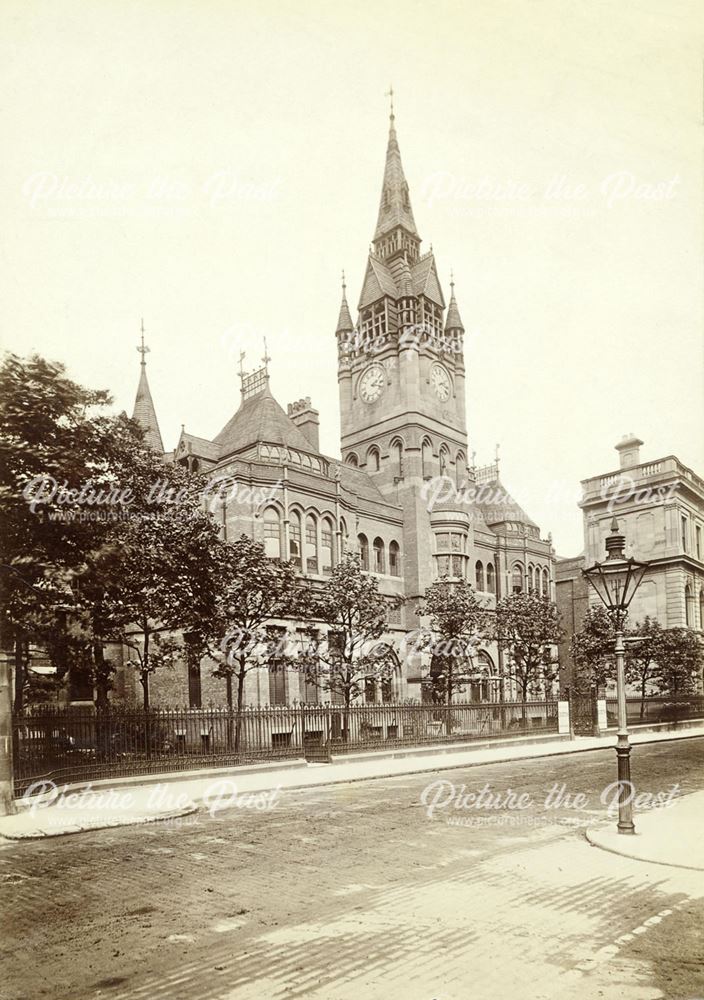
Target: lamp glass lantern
616,580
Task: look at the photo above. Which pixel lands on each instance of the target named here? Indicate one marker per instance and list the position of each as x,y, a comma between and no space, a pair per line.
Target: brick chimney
628,450
307,419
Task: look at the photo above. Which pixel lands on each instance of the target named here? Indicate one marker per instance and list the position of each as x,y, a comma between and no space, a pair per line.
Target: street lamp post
615,581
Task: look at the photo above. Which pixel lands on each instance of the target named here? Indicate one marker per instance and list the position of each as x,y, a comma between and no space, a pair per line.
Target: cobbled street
351,890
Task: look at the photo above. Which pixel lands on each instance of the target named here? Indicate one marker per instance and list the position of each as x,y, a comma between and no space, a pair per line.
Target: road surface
372,889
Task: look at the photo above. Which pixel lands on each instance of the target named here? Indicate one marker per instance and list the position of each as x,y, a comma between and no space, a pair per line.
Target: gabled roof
378,281
395,205
200,447
145,414
260,418
426,281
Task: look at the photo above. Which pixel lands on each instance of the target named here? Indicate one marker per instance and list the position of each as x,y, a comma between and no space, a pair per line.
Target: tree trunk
524,698
642,695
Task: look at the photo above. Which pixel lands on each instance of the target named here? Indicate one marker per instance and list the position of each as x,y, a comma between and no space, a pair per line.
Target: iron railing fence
81,744
657,708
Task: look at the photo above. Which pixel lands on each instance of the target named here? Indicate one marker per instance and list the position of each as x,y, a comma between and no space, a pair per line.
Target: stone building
659,506
403,495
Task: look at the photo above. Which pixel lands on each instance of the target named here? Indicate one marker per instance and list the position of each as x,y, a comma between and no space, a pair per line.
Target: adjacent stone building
659,506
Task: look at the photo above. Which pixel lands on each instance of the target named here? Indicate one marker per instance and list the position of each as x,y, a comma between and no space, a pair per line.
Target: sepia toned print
351,501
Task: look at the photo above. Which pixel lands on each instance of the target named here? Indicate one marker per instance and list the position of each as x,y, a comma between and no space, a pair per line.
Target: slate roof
425,279
344,322
395,204
200,447
145,414
500,506
260,418
453,320
419,278
357,481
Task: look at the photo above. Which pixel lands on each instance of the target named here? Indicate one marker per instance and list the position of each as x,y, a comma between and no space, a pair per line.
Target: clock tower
401,368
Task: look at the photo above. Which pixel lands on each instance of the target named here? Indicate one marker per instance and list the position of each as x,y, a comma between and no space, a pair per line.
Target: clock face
440,381
371,384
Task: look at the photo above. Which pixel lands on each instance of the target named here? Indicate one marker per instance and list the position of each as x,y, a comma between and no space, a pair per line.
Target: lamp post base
625,788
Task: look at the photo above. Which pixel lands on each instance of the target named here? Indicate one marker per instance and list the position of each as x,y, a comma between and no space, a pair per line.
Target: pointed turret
453,322
395,205
144,412
344,322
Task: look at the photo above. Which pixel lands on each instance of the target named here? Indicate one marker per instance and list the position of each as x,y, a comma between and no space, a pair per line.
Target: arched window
444,460
426,455
532,580
379,561
460,469
479,575
517,579
272,533
480,689
311,544
688,606
327,537
373,460
394,559
352,459
294,539
363,551
490,578
397,458
546,583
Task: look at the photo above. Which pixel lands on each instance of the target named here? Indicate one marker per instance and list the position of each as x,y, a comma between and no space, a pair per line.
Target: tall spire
144,412
395,205
344,322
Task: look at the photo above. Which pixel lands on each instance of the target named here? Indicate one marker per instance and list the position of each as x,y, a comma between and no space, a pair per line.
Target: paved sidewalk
665,836
75,811
129,801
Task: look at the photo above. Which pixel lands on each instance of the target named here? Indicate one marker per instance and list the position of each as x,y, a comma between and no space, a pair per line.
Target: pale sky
235,153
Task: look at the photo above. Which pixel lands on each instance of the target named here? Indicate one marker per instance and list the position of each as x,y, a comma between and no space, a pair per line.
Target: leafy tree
641,654
680,658
593,649
170,560
253,591
527,626
457,621
357,617
54,442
